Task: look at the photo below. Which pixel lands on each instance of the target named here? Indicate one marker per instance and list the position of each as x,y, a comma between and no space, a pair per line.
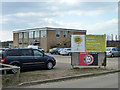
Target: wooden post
5,72
18,74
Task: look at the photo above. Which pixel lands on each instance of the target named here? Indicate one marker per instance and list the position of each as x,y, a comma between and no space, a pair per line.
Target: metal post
105,67
5,72
72,67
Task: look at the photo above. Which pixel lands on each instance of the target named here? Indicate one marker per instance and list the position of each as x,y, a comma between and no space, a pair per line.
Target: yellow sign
95,43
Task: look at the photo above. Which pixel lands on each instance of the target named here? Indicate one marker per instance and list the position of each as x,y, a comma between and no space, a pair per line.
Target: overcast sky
95,17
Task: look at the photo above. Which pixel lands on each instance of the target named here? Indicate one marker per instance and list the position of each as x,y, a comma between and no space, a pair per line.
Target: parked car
59,50
112,51
27,58
54,51
1,51
65,51
36,47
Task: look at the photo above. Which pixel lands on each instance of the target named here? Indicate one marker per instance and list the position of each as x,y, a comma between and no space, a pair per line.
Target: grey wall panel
75,59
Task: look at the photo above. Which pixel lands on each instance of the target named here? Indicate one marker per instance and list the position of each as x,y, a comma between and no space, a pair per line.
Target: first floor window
57,33
31,34
20,35
65,33
36,34
43,33
25,34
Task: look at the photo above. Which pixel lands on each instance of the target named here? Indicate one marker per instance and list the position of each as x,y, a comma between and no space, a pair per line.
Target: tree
116,37
112,37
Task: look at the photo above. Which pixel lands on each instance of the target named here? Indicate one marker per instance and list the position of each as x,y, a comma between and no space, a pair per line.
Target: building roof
49,28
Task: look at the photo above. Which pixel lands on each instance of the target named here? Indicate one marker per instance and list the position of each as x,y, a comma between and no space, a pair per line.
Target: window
57,33
117,49
31,34
20,35
25,35
113,49
108,49
25,43
13,53
37,53
43,33
65,33
20,43
26,52
36,34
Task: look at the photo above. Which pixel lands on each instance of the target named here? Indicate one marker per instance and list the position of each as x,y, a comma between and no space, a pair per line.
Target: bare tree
108,37
112,37
116,37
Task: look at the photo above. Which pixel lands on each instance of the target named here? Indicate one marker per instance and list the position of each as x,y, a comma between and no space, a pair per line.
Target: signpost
88,50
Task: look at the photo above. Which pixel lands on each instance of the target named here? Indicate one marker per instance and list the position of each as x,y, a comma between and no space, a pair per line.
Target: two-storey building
46,37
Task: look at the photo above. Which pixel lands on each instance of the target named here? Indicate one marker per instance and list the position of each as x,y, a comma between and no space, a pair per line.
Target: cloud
6,35
93,16
110,27
21,14
94,12
69,2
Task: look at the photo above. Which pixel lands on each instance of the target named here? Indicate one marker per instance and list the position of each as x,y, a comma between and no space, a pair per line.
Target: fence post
18,74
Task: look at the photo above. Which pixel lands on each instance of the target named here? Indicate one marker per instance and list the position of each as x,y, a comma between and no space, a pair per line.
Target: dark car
27,58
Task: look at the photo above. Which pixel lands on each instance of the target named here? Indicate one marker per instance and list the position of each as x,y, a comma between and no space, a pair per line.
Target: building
46,37
6,44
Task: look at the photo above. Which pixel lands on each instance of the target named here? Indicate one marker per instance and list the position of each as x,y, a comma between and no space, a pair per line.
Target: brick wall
15,39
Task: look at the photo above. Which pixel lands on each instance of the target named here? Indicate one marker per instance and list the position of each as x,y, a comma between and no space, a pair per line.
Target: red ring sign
88,59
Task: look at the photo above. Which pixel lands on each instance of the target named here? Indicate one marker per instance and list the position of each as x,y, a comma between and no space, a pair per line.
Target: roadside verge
66,78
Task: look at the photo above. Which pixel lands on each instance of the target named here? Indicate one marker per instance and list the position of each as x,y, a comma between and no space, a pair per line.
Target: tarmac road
65,62
112,63
104,81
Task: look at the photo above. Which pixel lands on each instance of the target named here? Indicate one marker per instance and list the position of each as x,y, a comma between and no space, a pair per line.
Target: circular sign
77,39
88,59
